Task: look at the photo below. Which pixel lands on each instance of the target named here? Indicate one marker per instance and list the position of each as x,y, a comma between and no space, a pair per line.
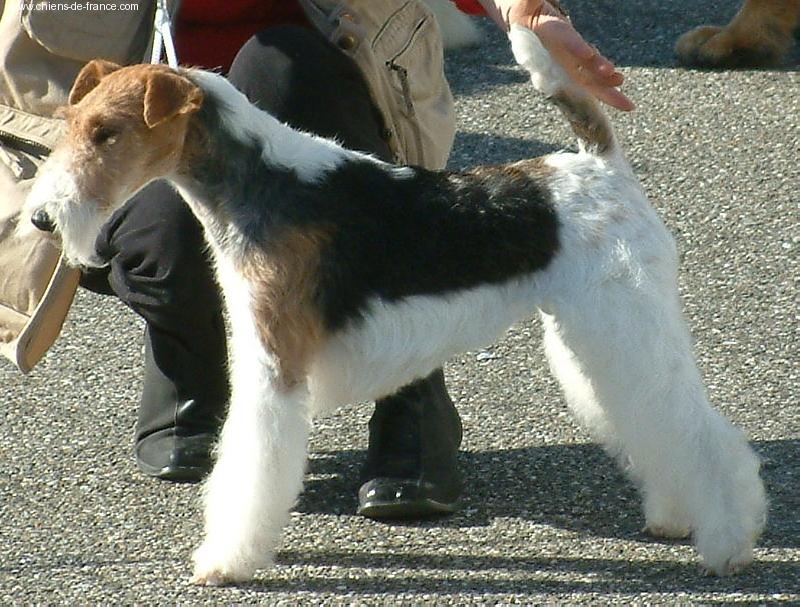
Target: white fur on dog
309,156
261,455
616,340
547,76
397,343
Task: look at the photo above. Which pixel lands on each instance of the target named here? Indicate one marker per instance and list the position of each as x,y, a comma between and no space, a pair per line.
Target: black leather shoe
182,459
412,468
396,498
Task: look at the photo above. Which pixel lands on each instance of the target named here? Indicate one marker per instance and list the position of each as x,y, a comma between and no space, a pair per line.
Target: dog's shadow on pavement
478,577
573,487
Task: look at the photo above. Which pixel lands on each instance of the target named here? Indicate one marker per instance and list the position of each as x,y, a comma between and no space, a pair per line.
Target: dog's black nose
42,221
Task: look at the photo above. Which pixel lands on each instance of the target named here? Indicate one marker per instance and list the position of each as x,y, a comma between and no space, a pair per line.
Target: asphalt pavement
546,518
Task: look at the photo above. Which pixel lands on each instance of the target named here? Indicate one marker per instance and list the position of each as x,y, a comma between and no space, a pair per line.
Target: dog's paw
730,47
212,569
668,531
666,517
219,575
729,566
723,552
691,47
759,35
210,578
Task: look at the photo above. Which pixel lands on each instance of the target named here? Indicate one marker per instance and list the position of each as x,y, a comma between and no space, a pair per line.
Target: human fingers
582,62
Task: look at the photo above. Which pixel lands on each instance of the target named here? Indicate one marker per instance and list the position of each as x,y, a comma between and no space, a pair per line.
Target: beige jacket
395,42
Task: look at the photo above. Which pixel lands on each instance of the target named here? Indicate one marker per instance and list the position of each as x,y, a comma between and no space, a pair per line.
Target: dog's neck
235,156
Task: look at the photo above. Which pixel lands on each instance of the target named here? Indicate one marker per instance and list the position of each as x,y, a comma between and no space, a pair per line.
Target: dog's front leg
258,474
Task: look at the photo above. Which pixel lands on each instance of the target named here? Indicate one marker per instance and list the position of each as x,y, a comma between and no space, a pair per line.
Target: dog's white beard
77,221
79,225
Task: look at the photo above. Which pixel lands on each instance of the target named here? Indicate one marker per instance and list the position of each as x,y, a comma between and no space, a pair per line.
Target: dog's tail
581,109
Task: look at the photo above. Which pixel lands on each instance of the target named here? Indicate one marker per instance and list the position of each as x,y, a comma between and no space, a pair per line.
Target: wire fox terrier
346,278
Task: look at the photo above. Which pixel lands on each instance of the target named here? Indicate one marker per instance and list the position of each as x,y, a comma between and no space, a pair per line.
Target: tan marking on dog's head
89,77
168,94
284,280
125,127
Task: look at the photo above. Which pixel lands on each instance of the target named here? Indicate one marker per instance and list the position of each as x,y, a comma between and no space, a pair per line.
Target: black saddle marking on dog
429,234
393,233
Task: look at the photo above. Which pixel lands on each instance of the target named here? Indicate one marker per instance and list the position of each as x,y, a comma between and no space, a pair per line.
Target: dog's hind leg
619,345
665,514
622,337
257,477
578,390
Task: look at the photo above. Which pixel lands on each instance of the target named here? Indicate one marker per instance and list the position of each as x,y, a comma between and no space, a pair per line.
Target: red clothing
209,33
471,7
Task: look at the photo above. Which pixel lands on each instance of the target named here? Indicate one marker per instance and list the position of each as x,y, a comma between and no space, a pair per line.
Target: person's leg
305,81
157,265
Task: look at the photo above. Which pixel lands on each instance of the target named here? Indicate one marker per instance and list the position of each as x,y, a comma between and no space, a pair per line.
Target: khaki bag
41,52
36,286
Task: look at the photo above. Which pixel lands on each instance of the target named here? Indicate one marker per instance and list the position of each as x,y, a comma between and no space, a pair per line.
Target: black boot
412,469
156,264
181,408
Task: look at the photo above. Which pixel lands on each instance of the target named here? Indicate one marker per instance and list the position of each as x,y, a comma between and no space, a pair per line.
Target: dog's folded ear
169,94
89,77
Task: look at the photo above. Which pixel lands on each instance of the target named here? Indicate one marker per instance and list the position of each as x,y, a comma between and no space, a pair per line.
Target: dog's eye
104,135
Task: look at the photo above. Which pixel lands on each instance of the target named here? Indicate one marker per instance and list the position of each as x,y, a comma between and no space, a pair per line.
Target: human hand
582,61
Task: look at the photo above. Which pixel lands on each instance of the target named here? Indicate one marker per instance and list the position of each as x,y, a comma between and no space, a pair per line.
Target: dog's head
125,127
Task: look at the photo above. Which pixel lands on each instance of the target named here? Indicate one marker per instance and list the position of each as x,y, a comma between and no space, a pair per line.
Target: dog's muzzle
42,221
